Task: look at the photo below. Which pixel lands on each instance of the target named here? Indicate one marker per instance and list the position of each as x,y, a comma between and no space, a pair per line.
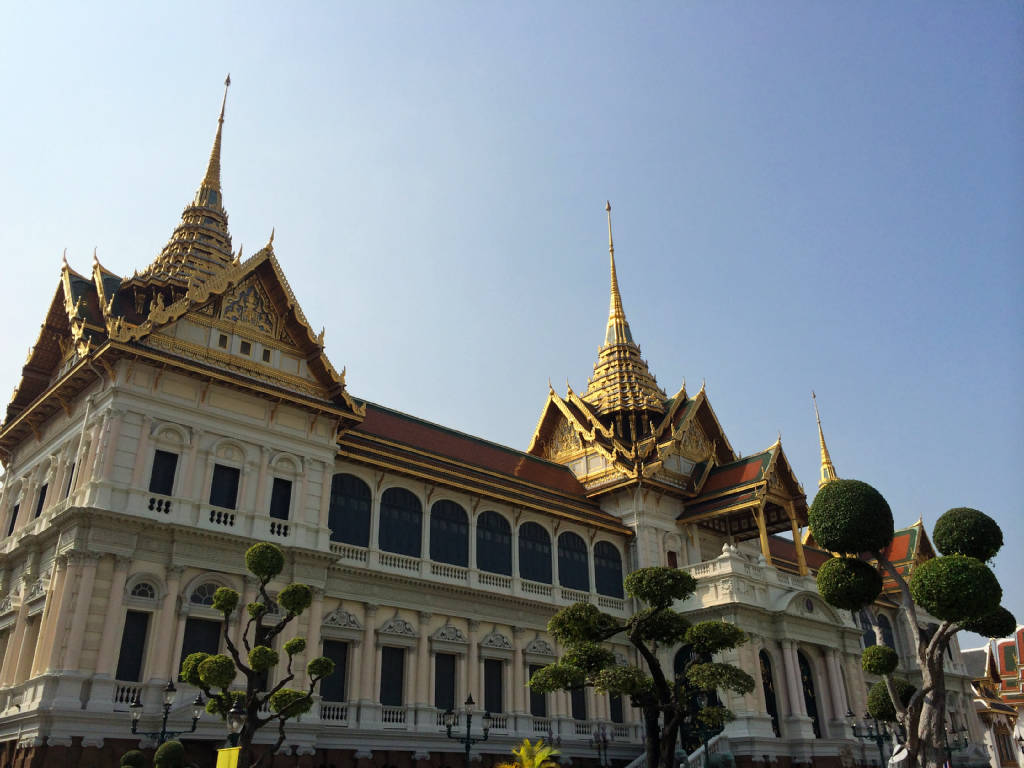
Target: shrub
879,660
590,657
955,587
998,623
710,637
321,666
880,704
295,598
264,560
659,586
170,754
217,671
190,667
966,531
850,516
262,658
848,583
225,600
294,646
217,706
295,702
133,758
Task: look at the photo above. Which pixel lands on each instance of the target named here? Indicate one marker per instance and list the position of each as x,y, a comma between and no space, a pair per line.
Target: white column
518,672
67,572
109,645
163,651
325,494
793,687
473,663
142,453
187,486
835,680
113,436
83,600
423,661
369,655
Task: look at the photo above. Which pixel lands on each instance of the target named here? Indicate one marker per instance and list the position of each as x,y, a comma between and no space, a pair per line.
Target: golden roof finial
212,179
828,471
64,258
615,311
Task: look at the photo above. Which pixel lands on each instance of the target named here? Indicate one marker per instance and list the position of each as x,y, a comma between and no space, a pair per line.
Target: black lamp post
958,743
236,720
872,730
163,734
468,741
601,742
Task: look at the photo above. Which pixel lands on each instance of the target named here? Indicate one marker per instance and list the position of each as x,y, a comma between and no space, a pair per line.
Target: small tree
170,754
214,674
670,704
133,758
533,755
849,517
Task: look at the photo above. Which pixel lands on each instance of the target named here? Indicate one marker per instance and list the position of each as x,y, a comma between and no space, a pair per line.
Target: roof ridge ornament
828,470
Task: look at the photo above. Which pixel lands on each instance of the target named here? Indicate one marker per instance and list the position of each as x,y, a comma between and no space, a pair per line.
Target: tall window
161,479
349,515
14,519
573,568
280,498
332,687
401,518
444,681
200,635
449,534
615,709
810,697
41,500
538,701
71,478
494,700
224,488
534,553
133,646
867,631
768,683
607,569
392,676
578,699
887,636
493,543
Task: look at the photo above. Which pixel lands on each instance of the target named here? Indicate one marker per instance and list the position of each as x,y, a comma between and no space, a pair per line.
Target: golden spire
618,329
828,471
212,179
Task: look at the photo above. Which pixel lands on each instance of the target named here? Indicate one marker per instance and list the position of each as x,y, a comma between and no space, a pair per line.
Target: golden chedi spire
201,244
622,381
828,471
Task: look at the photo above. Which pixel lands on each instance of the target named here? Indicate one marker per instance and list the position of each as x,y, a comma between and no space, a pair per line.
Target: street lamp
601,742
236,720
468,741
163,734
872,730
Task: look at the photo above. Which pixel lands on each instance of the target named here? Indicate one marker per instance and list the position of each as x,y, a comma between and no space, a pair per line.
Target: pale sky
805,195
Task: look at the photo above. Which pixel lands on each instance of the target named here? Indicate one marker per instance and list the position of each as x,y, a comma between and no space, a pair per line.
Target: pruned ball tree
850,518
671,704
215,674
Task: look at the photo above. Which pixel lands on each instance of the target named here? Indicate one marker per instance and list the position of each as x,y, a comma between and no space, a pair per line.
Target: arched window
685,658
147,591
810,698
203,594
449,534
401,521
493,543
868,631
349,514
887,636
768,683
607,569
534,553
573,569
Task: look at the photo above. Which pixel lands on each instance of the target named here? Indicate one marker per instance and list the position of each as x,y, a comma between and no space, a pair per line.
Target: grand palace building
167,420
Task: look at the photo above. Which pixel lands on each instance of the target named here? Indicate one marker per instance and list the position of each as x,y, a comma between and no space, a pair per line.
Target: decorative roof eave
678,399
587,409
722,443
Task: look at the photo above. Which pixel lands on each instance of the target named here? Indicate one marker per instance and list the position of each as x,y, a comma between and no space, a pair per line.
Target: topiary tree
133,758
851,518
170,754
215,674
670,704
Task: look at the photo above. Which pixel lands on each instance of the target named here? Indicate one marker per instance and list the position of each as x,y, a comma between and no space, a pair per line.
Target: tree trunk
652,737
931,725
667,747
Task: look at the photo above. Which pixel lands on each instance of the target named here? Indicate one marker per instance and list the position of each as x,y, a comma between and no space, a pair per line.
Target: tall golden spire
828,471
621,380
201,244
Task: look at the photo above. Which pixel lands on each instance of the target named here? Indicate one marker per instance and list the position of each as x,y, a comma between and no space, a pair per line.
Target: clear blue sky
806,195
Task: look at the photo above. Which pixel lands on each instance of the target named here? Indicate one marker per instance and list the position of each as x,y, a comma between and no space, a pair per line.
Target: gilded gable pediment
249,305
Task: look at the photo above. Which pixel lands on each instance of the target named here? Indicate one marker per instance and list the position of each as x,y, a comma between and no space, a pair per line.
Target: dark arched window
449,534
534,553
573,569
887,636
349,514
401,522
768,683
867,631
493,543
810,698
696,699
607,569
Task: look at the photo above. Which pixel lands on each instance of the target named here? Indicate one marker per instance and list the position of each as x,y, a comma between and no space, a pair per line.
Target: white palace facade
167,420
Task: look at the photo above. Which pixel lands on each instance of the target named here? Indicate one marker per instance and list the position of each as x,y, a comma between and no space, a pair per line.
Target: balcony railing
334,714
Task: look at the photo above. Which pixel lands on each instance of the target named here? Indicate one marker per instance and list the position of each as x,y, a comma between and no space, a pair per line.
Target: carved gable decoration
496,640
694,443
451,634
341,619
397,626
248,304
540,646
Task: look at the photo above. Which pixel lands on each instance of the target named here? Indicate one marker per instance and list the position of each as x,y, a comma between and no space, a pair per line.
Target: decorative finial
271,241
828,470
64,257
224,101
551,389
211,182
95,258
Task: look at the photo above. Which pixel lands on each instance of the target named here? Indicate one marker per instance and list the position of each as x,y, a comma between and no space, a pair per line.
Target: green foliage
319,667
710,637
851,517
997,623
556,677
170,754
290,702
966,531
190,667
880,704
295,645
659,587
712,675
225,600
536,755
581,622
715,717
262,658
217,671
133,758
220,704
663,625
295,598
955,587
879,660
264,560
588,657
626,681
256,610
848,583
